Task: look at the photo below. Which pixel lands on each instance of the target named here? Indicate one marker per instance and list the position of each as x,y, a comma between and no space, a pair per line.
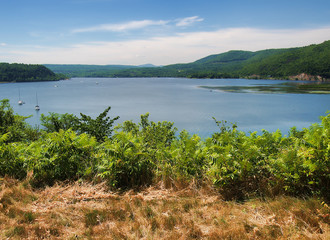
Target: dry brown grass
85,211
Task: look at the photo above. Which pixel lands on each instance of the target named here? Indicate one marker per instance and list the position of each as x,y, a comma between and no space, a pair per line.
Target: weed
187,206
154,225
119,214
6,200
29,217
92,218
16,231
149,213
169,222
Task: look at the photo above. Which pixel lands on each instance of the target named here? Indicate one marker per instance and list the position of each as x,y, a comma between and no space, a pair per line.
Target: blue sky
160,32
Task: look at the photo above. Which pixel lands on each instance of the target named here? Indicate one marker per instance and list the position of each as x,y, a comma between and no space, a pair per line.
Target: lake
179,100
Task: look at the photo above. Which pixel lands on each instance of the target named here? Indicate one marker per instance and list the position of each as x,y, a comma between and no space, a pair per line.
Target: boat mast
37,108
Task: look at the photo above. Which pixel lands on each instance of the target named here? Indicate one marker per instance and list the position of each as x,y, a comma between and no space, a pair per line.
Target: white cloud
133,25
188,21
180,48
3,44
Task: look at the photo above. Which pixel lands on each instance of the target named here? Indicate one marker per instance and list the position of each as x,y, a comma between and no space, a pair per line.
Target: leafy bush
124,163
304,167
54,122
100,127
239,165
270,163
62,155
11,158
189,157
15,125
156,140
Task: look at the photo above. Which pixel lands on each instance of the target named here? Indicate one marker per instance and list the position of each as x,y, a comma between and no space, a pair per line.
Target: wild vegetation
288,63
27,73
139,154
230,165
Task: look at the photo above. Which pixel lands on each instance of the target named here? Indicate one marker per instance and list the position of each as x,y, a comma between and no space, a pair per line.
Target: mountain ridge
302,63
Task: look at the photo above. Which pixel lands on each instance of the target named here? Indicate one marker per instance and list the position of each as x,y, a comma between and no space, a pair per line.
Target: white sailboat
20,102
37,108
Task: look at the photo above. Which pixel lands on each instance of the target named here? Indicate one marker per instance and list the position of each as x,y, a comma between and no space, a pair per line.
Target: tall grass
87,211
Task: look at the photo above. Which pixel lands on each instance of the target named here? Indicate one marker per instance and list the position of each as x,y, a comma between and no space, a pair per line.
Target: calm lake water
179,100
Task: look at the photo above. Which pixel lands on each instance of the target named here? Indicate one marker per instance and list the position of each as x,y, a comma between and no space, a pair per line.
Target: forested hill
313,60
307,63
293,63
27,73
81,70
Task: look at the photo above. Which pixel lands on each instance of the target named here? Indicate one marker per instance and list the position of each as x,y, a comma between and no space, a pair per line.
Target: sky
159,32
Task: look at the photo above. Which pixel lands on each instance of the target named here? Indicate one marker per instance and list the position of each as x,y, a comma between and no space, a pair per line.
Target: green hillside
313,61
26,73
80,70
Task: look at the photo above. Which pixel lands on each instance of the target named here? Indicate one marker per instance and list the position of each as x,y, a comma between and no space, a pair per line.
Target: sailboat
37,108
20,102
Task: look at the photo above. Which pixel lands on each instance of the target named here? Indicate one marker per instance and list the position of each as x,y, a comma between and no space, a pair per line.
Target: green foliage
270,163
132,156
100,127
60,156
189,157
12,161
156,140
7,117
313,60
26,73
156,135
87,70
124,164
238,161
305,166
14,125
54,122
138,154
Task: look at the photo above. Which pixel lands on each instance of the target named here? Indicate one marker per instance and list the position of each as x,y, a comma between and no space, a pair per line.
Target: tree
54,122
99,127
14,125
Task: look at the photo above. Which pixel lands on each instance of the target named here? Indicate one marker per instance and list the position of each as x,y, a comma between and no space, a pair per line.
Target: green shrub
14,125
101,127
304,167
124,164
189,157
62,155
12,162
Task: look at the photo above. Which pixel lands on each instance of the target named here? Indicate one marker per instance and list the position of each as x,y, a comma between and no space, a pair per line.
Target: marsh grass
86,211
